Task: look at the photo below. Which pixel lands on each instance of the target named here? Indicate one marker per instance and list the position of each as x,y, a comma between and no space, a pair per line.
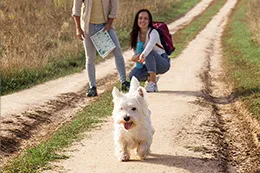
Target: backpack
165,37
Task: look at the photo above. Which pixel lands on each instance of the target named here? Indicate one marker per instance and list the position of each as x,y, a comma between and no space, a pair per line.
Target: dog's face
130,109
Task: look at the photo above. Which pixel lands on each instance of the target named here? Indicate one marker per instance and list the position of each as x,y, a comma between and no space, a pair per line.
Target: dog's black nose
126,118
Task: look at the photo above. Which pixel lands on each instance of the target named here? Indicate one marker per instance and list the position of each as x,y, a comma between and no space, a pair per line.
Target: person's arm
112,15
109,24
153,39
79,31
76,12
114,8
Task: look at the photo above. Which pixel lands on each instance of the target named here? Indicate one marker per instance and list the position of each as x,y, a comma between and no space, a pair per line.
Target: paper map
103,43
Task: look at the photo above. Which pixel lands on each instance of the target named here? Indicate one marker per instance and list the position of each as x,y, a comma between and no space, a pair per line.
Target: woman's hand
109,24
141,58
107,27
138,58
135,58
80,33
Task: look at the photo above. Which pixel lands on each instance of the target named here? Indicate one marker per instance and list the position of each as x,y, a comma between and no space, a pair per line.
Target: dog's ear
116,93
142,93
134,85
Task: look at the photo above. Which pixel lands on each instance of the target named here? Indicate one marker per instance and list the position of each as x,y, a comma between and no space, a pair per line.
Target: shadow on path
216,100
192,164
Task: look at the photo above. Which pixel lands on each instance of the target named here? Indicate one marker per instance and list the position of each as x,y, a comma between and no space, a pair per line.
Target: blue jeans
154,62
90,53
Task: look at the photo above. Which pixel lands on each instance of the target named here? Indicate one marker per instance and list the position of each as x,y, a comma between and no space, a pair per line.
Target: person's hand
80,33
135,58
107,27
138,58
141,58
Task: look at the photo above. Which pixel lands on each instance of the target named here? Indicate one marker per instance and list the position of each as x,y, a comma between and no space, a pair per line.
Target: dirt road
26,115
187,113
184,115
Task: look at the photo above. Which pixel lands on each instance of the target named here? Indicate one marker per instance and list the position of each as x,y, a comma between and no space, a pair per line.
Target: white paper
103,43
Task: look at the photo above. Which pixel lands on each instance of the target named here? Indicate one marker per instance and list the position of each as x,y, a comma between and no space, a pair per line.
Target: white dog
132,123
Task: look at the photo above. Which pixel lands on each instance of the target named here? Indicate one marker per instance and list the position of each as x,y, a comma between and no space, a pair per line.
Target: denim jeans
154,62
90,53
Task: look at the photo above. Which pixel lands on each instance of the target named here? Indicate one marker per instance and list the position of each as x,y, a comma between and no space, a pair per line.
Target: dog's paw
124,157
142,156
142,152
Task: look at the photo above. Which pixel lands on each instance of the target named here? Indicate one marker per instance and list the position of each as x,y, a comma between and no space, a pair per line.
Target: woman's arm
76,9
114,8
153,39
112,14
109,24
76,12
79,31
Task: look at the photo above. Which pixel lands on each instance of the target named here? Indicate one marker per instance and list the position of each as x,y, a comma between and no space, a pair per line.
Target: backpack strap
156,43
159,46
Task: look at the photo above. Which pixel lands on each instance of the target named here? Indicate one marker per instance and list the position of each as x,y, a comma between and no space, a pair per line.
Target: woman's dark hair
136,28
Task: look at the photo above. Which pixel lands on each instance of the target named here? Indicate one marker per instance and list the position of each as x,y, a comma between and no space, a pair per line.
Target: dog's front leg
121,150
143,149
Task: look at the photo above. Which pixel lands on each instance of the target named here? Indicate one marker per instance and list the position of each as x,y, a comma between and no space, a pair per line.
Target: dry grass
33,32
253,14
128,9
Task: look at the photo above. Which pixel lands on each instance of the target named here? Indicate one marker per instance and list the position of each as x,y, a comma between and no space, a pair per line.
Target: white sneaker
151,87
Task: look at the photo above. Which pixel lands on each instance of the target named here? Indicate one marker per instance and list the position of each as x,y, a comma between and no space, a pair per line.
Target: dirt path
31,115
189,114
185,116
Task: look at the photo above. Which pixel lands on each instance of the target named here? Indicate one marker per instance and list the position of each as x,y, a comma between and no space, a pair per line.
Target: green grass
34,158
37,157
184,36
242,59
25,78
178,10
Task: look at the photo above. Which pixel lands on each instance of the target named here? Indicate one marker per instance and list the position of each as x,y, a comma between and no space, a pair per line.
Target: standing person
90,16
155,58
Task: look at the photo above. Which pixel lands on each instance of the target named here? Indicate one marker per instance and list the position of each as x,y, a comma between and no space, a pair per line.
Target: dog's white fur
132,123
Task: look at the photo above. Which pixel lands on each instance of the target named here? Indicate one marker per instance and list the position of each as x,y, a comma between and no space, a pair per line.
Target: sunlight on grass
242,57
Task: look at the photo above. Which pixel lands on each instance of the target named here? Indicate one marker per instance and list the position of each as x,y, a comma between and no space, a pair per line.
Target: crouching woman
153,57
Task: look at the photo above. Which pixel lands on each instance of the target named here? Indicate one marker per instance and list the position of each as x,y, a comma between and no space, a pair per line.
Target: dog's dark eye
133,109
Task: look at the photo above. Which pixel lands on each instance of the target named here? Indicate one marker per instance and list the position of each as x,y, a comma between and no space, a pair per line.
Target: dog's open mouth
128,125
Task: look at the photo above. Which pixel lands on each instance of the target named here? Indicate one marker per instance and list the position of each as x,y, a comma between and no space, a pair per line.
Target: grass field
242,54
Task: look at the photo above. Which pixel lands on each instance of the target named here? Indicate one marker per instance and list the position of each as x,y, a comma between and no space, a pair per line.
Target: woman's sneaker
92,92
151,87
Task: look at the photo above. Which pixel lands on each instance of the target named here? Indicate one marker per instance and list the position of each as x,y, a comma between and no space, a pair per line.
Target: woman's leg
90,53
119,59
140,73
163,64
156,64
152,77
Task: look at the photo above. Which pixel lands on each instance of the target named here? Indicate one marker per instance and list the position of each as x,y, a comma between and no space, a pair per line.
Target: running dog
132,124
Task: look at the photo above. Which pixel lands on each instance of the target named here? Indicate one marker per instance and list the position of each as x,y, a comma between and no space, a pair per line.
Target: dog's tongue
128,125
